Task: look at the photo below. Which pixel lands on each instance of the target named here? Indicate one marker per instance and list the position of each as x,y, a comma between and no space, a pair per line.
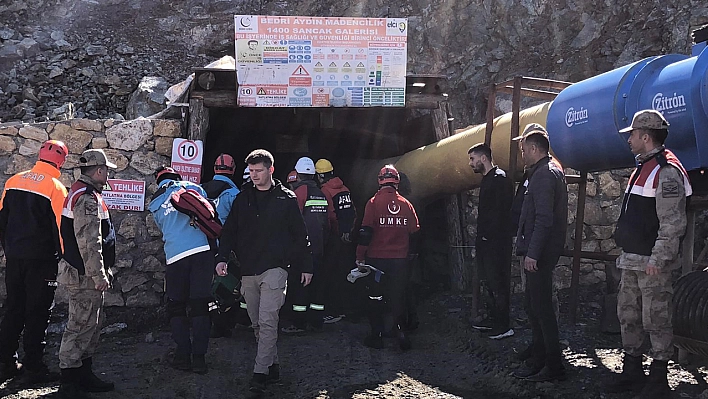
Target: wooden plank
540,94
459,275
490,115
216,99
198,120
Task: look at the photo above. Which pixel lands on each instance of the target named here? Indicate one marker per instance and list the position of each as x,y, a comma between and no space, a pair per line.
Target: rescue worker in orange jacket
384,244
30,217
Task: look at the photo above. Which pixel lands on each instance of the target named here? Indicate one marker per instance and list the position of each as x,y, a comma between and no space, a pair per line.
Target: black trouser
188,286
338,262
387,291
544,326
494,260
308,302
30,285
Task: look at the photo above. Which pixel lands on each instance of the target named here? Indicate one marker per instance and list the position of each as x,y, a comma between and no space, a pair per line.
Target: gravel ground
449,360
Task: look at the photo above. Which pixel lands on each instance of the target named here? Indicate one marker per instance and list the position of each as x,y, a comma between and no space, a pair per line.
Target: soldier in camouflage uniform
89,252
649,230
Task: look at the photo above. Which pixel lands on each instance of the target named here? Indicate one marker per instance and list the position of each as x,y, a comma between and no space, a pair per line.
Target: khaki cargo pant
265,295
644,305
83,329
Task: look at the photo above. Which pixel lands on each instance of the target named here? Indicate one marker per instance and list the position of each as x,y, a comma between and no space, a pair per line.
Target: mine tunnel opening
347,137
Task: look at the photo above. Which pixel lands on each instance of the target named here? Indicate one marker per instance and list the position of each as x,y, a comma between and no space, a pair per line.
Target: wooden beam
491,102
459,276
424,101
198,120
217,98
535,93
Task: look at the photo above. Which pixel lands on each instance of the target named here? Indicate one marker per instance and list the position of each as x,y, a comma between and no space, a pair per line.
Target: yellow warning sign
346,65
332,65
319,64
261,92
301,71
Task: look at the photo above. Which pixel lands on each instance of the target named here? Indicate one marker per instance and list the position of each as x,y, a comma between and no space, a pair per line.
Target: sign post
187,159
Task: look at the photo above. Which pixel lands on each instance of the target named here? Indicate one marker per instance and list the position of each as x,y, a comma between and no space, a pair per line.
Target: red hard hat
54,152
292,177
166,172
389,174
224,165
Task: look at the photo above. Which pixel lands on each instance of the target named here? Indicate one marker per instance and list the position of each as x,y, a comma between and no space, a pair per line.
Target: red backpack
199,209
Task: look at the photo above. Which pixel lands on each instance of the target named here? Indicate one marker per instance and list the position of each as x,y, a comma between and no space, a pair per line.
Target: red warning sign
320,97
300,77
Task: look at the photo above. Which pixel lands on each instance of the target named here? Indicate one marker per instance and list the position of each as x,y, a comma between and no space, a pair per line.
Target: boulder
151,264
9,53
129,135
76,140
7,145
117,158
18,164
130,226
87,124
153,230
148,99
163,146
142,299
99,142
34,133
147,163
8,130
29,47
168,128
93,50
130,281
30,147
113,298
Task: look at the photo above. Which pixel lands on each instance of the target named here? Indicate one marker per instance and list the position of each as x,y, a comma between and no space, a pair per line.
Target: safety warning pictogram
301,71
261,92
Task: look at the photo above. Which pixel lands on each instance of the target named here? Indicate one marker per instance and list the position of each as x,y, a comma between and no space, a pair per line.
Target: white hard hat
246,175
305,166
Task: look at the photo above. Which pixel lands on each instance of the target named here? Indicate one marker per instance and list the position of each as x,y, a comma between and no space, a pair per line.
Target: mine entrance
345,136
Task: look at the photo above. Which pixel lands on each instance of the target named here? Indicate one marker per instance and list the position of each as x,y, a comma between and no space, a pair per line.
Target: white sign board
284,61
187,159
125,195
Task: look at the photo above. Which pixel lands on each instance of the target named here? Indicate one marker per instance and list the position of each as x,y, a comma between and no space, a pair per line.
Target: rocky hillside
93,53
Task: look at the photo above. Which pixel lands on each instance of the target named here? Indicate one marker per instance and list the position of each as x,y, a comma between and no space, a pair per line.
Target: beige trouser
265,295
83,329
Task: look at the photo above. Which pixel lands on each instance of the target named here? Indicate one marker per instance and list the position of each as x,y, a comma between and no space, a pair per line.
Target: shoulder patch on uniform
500,172
670,189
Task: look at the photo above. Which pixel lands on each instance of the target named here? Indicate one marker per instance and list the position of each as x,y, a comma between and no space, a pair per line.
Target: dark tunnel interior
341,135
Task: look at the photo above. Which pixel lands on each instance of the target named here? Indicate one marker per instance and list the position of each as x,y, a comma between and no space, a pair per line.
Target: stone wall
602,209
138,147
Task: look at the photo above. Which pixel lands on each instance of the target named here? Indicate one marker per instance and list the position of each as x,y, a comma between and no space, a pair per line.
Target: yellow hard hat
323,166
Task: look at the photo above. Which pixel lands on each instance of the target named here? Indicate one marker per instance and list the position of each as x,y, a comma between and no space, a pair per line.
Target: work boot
199,365
632,378
40,374
257,386
182,361
273,373
89,382
69,388
9,370
657,386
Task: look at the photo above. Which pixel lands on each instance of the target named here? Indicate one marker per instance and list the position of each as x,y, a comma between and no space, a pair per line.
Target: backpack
199,209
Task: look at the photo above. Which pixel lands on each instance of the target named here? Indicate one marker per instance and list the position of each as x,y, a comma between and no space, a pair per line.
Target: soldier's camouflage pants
644,305
83,329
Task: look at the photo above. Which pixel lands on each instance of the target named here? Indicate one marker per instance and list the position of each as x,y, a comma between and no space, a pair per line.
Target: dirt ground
448,361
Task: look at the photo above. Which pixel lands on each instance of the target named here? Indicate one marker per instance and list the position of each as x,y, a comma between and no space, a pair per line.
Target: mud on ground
449,360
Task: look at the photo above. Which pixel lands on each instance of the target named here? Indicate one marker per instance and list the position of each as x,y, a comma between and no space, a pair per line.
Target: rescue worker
651,225
337,259
493,242
188,274
308,302
266,231
30,217
222,191
541,240
384,243
291,179
89,253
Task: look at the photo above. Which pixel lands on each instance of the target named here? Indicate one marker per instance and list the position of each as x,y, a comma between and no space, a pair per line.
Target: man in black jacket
493,242
266,231
541,239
